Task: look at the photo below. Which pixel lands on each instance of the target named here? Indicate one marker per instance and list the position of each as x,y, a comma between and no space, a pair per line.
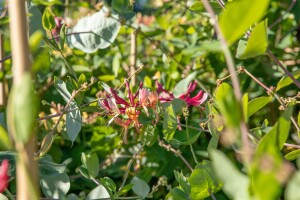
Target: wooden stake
2,83
133,56
27,187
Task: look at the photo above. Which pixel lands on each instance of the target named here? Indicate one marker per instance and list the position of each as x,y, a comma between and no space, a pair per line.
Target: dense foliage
156,99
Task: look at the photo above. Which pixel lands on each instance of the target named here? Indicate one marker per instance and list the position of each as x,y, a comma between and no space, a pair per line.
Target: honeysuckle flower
153,99
196,100
4,175
143,99
165,96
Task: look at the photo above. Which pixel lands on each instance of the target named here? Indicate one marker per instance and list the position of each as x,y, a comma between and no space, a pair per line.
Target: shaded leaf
140,187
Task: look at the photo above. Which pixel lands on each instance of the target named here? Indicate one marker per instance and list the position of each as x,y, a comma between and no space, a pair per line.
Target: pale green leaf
257,104
140,187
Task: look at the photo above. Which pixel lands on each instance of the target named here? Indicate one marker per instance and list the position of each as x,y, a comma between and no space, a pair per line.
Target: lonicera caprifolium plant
156,100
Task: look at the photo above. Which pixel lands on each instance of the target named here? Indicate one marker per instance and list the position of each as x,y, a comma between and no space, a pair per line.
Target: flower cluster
4,175
126,112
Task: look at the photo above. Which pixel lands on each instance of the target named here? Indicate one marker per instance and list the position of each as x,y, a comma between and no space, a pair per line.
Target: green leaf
292,188
98,193
182,180
286,80
73,122
34,19
169,123
62,36
203,180
124,190
257,104
257,43
5,143
177,194
109,184
104,29
92,165
54,184
235,183
277,136
46,144
72,197
149,134
22,98
181,137
227,102
140,187
239,16
48,20
245,101
2,197
62,89
293,155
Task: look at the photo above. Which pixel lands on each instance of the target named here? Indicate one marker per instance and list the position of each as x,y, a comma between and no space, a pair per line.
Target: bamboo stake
26,166
133,56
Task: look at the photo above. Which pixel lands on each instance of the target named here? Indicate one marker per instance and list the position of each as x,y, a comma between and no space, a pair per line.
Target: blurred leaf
292,188
286,80
48,20
103,28
5,143
98,193
293,155
203,47
257,43
124,190
278,134
203,180
235,183
140,187
34,19
177,194
239,16
73,122
72,197
22,98
2,197
54,184
257,104
245,101
62,36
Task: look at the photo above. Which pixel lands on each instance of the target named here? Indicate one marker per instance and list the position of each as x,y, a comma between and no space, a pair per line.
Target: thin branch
292,145
296,82
129,164
5,58
176,153
234,79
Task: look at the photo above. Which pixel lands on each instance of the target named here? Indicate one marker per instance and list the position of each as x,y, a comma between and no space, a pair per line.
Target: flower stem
188,136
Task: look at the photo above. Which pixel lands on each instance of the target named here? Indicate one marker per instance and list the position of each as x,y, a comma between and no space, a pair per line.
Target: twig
127,79
234,79
176,153
272,93
5,58
211,194
296,82
278,20
129,164
292,145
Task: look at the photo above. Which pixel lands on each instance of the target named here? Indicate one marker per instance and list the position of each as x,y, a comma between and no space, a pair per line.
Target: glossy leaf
203,180
103,28
149,134
48,20
239,16
257,104
98,193
257,43
73,122
286,80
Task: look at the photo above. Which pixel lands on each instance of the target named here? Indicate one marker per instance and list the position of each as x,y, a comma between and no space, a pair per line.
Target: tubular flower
153,99
196,100
165,96
4,175
143,99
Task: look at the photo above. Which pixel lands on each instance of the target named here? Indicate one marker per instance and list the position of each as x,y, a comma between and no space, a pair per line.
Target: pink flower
143,97
4,175
153,99
165,96
196,100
